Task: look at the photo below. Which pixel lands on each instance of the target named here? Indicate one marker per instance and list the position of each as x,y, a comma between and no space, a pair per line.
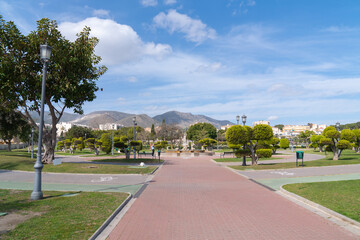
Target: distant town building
110,126
225,127
261,122
63,127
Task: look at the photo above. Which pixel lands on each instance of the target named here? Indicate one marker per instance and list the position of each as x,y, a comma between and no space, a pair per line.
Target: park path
196,199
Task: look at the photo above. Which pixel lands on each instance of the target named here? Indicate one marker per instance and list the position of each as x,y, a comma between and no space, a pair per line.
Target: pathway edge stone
337,218
112,216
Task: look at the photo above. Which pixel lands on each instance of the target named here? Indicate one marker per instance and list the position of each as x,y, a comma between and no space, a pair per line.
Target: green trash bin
300,155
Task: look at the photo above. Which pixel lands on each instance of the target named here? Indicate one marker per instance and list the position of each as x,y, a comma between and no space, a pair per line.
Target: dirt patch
90,167
11,220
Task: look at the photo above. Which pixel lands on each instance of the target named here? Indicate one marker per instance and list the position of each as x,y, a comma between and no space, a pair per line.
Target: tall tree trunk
252,147
9,146
335,152
49,147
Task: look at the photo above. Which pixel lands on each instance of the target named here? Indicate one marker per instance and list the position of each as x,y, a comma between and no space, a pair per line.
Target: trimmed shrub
264,153
242,152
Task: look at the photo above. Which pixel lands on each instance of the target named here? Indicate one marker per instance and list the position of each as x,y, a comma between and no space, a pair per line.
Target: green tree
106,143
199,131
357,139
284,143
60,145
12,124
337,141
315,142
280,126
78,131
274,142
305,137
207,142
239,135
71,79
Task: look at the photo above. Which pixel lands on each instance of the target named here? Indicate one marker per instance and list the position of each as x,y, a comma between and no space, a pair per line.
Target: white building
110,126
225,127
261,122
63,127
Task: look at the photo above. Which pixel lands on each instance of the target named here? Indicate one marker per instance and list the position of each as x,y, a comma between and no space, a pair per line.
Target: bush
284,143
242,152
106,145
264,153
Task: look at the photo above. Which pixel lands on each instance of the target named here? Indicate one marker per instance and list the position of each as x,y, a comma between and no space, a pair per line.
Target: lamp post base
36,195
244,161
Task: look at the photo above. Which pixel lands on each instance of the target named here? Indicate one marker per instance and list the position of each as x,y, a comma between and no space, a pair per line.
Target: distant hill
93,119
66,117
186,119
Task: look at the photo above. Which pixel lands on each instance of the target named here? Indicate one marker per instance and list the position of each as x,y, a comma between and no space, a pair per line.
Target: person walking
152,150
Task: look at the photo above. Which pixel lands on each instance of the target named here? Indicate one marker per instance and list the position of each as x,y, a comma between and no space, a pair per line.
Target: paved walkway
73,182
196,199
275,178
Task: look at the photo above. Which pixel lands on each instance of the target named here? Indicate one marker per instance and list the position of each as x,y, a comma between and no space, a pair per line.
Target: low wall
13,146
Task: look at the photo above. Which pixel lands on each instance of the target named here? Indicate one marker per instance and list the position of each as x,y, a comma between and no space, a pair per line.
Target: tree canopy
199,131
71,79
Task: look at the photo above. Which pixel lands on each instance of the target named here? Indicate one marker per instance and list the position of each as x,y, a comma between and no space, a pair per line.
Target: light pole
45,53
237,119
112,149
32,143
243,118
29,143
217,139
338,126
134,120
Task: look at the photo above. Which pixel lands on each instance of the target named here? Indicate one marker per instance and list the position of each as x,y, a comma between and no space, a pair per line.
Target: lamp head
45,53
243,118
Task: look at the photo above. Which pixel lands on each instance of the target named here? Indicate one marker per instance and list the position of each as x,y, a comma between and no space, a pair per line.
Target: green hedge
264,153
242,152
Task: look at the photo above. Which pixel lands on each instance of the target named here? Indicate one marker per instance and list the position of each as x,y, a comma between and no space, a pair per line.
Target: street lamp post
134,120
338,126
243,118
112,148
45,53
237,119
32,143
217,139
29,143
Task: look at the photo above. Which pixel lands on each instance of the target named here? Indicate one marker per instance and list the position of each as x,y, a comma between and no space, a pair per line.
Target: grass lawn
87,153
59,217
340,196
348,157
241,159
20,160
130,161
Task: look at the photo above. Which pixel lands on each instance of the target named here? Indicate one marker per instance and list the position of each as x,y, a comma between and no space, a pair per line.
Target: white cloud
118,43
149,3
271,118
132,79
341,29
169,2
100,13
195,30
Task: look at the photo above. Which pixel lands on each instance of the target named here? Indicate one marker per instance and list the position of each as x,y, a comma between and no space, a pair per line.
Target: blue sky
287,61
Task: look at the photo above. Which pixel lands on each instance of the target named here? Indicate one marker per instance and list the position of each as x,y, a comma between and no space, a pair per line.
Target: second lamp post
243,118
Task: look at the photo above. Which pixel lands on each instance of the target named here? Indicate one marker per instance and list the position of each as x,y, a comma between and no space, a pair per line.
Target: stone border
337,218
108,221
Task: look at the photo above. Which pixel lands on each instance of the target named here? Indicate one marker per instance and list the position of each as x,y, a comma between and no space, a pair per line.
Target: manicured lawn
241,159
72,217
19,160
348,157
130,161
87,153
340,196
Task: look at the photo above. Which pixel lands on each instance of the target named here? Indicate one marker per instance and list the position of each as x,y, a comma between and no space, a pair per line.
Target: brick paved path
196,199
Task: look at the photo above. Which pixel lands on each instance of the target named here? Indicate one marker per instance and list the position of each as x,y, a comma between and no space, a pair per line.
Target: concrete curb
337,218
108,221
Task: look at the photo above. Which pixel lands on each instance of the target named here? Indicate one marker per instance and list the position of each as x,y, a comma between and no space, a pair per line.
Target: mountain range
93,119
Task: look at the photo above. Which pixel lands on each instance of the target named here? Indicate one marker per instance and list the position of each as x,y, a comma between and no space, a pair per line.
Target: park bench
226,153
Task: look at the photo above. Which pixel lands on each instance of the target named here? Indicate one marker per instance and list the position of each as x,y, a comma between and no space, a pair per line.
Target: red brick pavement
196,199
